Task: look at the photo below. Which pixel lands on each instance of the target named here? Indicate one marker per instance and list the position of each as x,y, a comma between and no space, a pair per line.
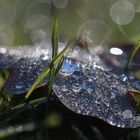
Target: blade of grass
20,108
51,79
47,70
132,54
54,54
59,65
55,39
38,80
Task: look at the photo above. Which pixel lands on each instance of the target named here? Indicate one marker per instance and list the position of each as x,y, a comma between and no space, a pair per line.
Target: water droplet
44,57
89,86
64,88
76,87
77,75
98,100
127,114
123,78
114,93
111,120
19,86
120,125
69,66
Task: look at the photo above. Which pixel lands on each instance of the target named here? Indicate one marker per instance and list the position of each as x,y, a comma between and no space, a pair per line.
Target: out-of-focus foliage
30,21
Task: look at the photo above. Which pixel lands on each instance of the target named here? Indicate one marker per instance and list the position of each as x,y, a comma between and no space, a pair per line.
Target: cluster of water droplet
89,90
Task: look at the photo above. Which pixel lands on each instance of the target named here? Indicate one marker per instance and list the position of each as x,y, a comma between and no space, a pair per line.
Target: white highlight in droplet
122,12
116,51
60,3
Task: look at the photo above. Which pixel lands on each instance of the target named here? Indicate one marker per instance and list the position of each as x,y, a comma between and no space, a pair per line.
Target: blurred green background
98,21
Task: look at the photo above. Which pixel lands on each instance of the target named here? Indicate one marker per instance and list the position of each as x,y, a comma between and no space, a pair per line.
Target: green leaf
132,54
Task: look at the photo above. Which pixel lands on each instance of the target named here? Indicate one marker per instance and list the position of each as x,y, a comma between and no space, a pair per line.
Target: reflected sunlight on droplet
116,51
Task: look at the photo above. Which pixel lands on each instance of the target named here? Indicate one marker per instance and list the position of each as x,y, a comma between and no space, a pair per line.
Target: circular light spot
37,15
116,51
122,12
136,4
94,31
60,3
36,21
6,35
38,36
7,12
127,114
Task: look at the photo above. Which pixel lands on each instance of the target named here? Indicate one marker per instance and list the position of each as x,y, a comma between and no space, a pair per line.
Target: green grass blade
39,79
60,56
59,65
132,54
30,103
51,79
54,54
55,39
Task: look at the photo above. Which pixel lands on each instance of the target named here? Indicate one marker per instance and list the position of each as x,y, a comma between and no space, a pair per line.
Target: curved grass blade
132,54
21,107
47,70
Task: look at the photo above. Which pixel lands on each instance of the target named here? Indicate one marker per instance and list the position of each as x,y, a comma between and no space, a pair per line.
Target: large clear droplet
113,93
123,78
89,86
76,87
111,120
127,114
69,66
19,86
77,75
